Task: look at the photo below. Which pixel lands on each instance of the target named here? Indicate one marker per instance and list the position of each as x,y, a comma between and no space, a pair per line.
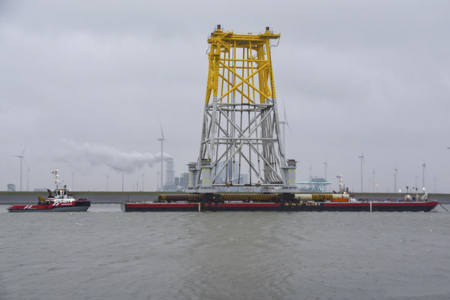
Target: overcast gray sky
84,85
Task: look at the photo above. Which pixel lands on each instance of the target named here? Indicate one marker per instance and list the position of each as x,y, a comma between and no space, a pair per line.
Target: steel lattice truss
241,130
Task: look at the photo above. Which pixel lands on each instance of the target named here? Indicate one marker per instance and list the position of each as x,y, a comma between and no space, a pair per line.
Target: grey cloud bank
354,77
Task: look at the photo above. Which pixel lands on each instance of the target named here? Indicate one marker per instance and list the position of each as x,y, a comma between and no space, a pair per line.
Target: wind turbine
285,123
21,161
373,183
395,180
28,176
326,165
162,139
362,162
423,176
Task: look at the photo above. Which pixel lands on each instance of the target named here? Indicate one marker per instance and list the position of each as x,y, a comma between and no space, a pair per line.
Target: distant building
170,172
170,186
11,187
184,180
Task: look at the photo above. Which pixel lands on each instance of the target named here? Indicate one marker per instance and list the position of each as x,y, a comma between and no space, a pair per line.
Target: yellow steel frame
240,66
240,125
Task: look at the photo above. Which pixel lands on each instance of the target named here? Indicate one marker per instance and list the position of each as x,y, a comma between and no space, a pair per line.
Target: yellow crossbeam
245,80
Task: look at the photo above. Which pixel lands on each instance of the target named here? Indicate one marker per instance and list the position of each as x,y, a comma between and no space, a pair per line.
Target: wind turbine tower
395,180
21,161
284,123
423,177
362,162
373,183
28,176
162,139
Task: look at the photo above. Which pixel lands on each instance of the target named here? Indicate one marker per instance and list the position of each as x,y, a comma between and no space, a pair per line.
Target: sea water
108,254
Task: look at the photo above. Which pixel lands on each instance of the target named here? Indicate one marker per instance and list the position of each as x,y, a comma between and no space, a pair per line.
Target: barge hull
316,207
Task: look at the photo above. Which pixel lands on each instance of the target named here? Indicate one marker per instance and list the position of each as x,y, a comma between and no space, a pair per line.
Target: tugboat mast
56,179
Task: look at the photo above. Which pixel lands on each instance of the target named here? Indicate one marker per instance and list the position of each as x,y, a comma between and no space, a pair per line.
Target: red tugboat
275,202
60,200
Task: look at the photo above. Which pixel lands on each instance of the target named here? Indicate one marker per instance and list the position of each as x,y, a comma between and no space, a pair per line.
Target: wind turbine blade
23,152
285,119
162,132
287,124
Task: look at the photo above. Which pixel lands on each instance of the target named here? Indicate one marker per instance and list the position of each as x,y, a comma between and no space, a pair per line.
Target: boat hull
302,206
80,205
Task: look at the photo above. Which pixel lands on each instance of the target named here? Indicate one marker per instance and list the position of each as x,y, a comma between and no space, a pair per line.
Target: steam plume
96,154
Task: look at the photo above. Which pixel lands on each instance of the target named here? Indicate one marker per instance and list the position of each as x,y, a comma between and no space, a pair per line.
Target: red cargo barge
272,202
